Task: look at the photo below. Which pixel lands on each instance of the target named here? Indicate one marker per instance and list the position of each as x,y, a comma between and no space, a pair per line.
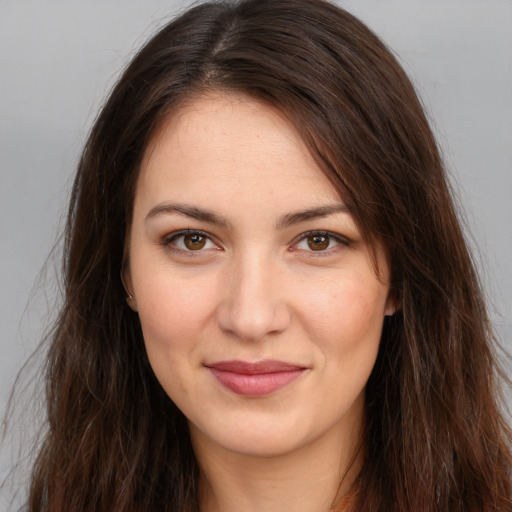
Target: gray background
58,59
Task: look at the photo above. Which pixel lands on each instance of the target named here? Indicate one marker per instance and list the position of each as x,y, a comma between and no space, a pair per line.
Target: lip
255,379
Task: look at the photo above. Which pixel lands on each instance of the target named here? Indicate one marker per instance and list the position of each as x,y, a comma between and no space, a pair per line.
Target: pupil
195,242
318,242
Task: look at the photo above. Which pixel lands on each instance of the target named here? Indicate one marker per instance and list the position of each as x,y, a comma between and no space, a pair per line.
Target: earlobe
126,280
391,304
132,303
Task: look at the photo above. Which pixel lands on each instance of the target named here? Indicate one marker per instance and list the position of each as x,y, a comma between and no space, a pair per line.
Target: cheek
345,317
354,303
174,310
174,317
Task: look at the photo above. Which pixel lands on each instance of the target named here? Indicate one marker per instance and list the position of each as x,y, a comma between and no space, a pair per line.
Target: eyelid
340,239
167,241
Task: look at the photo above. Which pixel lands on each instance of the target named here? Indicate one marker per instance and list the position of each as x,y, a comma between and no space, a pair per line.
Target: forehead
231,140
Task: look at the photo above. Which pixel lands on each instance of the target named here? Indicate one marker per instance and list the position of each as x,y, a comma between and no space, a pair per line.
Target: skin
256,285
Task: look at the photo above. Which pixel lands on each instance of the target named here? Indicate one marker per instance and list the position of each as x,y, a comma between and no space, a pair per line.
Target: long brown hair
435,437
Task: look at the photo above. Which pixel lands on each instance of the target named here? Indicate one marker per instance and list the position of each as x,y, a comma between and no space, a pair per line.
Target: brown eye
194,241
190,243
323,243
318,242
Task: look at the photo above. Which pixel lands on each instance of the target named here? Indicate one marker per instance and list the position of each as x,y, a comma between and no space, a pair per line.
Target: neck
313,478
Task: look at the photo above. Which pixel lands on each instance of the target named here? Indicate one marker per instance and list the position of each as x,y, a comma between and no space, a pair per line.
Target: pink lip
255,379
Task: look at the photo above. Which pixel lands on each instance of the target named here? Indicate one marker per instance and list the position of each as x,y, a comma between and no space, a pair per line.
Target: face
260,308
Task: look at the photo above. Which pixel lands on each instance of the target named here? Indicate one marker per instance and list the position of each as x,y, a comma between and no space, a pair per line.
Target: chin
263,446
251,440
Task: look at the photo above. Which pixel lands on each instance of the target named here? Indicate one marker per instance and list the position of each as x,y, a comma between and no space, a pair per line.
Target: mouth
255,379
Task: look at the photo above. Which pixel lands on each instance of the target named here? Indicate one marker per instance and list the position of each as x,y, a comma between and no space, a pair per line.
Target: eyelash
169,242
340,240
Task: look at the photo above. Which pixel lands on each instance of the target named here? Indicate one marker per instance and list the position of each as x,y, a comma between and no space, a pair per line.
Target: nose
254,303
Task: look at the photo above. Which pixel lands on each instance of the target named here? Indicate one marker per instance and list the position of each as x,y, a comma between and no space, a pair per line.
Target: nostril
251,321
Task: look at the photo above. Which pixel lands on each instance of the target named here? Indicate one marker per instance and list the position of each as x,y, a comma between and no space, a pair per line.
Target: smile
255,379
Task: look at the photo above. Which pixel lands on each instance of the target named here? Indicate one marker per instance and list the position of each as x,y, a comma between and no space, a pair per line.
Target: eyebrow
189,211
212,218
312,213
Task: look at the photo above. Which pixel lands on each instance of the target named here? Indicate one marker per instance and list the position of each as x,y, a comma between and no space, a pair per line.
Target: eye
189,241
320,241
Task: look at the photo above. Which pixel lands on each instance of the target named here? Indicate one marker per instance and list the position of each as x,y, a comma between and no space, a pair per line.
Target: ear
126,280
392,303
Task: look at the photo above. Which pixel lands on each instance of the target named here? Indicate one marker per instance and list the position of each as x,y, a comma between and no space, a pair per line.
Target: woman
269,301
